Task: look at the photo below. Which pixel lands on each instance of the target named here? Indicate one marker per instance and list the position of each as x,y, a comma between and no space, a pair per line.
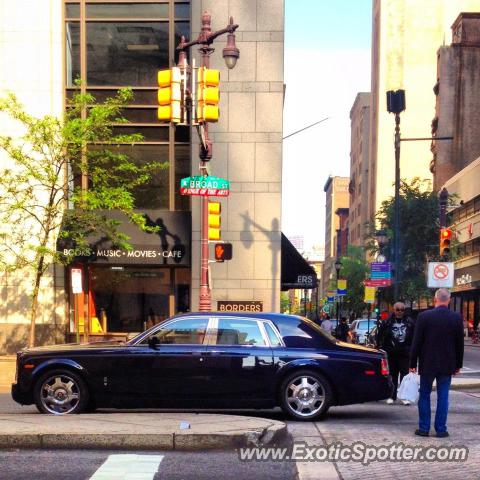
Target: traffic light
169,95
214,220
445,240
208,95
223,251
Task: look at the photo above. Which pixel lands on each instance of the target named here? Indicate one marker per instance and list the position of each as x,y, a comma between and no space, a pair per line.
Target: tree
43,176
419,236
354,270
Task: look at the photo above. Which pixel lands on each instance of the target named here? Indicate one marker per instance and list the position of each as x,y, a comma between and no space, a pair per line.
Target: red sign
205,192
440,272
381,282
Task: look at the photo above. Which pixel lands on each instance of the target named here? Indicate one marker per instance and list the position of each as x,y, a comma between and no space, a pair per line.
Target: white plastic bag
409,388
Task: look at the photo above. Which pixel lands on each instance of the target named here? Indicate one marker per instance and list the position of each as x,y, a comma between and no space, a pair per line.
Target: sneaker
390,401
421,433
442,434
406,402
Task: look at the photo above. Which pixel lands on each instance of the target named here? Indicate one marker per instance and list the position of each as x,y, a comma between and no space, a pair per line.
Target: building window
127,53
125,44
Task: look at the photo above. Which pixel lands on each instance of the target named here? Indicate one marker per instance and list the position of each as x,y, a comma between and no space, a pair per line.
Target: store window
130,299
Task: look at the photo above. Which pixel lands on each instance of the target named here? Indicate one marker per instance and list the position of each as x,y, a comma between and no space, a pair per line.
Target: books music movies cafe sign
171,245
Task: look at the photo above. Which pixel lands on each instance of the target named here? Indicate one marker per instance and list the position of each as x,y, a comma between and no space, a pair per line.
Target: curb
464,386
270,435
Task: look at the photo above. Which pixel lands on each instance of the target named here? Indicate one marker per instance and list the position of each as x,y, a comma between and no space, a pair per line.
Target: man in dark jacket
395,336
341,332
438,345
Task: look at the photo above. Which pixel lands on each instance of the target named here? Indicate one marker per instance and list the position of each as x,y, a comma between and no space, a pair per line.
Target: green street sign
205,186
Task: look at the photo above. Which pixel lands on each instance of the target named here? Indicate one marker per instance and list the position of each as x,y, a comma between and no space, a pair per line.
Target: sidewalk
139,431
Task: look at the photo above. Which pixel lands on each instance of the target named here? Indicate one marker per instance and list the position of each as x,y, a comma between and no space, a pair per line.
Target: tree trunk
33,310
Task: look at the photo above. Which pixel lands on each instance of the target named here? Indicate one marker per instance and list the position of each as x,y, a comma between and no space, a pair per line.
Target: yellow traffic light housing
208,95
170,95
445,241
214,220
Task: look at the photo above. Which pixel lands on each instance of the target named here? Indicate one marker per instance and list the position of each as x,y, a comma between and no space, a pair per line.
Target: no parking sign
440,274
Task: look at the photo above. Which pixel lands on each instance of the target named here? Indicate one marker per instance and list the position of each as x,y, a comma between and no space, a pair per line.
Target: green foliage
41,184
419,236
284,302
354,270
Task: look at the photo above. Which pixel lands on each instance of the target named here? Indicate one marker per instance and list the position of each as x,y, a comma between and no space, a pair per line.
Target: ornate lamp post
231,55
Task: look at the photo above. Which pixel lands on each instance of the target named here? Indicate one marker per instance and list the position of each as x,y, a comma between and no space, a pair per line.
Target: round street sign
440,272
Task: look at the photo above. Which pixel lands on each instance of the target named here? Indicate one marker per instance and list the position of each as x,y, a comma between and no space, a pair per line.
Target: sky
327,62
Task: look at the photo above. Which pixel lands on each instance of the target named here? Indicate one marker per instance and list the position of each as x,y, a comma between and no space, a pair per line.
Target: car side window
272,336
181,332
239,332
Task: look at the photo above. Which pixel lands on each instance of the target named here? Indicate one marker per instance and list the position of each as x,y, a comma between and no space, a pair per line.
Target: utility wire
304,128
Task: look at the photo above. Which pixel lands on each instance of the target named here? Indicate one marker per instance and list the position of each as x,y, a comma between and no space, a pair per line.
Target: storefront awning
296,271
171,245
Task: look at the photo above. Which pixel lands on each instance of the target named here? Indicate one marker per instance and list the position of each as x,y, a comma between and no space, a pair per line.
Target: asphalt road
83,465
471,360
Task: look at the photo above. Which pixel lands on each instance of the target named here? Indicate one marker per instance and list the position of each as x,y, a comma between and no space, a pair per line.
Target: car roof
255,315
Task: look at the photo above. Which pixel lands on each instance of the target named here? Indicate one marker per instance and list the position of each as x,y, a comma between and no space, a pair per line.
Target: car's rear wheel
61,392
305,395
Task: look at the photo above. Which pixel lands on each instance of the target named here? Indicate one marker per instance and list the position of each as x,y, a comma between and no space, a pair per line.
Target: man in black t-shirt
395,336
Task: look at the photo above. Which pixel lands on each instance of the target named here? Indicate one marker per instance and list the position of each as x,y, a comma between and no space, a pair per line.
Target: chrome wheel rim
60,394
305,396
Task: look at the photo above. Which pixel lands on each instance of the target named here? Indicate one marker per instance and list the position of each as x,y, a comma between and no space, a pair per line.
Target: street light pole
338,266
230,54
396,105
397,206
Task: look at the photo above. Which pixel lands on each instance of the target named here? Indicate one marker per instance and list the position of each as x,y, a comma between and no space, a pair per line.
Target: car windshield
363,325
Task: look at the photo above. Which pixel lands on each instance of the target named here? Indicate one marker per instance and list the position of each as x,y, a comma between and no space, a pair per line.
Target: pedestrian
438,347
395,336
341,332
327,325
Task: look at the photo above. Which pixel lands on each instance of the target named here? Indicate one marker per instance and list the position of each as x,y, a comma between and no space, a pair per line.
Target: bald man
438,348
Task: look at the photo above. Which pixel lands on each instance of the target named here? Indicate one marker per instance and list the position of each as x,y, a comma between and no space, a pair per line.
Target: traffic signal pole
230,54
205,154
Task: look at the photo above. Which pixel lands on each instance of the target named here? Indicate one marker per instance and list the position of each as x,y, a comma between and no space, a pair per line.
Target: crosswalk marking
128,467
469,370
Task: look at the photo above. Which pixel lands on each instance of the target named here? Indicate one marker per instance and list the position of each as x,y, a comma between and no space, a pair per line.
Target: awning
296,271
171,245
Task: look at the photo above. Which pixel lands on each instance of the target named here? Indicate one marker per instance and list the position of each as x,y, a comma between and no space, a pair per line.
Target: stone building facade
406,35
359,187
337,197
111,44
457,101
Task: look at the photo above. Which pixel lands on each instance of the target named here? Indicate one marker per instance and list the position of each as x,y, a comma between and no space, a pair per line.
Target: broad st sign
204,186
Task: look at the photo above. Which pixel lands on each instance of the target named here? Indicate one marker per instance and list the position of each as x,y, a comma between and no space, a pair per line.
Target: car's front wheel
60,392
305,395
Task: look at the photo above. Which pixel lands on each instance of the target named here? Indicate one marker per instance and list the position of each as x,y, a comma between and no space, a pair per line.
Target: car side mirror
153,342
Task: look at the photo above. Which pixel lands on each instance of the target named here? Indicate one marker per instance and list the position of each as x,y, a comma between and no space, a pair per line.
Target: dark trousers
424,410
398,364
